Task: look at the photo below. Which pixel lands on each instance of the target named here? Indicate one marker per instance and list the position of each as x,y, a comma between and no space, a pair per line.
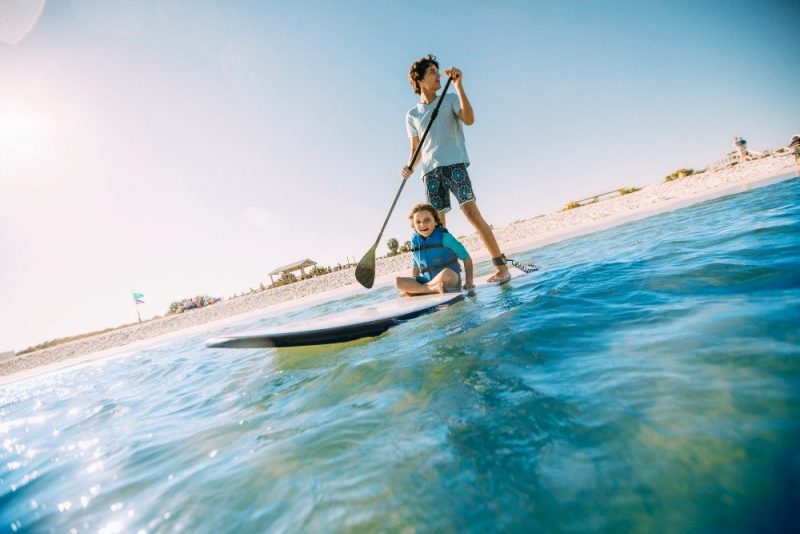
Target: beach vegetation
393,245
60,340
680,173
319,271
286,278
628,190
200,301
572,204
405,247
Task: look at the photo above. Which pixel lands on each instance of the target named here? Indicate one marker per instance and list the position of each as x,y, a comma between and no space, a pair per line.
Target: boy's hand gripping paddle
365,270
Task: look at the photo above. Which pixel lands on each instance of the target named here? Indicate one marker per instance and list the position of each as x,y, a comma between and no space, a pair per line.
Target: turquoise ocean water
647,379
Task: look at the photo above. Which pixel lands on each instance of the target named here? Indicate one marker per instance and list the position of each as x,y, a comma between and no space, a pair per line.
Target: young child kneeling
434,267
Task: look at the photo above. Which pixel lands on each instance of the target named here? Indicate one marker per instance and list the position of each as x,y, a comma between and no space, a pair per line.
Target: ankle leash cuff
524,267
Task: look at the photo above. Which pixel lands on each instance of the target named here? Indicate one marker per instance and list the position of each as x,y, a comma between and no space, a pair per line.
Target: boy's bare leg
410,286
448,278
440,283
475,218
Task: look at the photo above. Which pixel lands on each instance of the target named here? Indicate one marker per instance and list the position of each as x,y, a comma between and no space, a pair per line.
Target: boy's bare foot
500,276
438,288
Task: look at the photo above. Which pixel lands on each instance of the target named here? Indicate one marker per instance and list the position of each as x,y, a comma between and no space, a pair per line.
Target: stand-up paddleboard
366,321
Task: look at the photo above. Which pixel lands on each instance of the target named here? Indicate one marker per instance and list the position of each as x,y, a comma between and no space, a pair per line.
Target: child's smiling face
424,223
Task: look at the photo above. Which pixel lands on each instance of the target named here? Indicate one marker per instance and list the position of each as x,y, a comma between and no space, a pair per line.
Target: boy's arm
467,115
408,170
461,252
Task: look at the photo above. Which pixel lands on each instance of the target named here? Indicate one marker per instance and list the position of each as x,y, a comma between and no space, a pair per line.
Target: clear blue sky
187,147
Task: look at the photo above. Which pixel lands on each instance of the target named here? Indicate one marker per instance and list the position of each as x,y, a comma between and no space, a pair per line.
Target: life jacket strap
427,247
428,269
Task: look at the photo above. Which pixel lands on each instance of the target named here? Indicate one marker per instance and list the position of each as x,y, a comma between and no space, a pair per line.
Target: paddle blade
365,270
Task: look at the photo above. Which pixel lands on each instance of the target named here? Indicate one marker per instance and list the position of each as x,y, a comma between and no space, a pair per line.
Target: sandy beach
518,236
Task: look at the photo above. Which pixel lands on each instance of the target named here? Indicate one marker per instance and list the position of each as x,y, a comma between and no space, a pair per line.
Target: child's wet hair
424,207
417,71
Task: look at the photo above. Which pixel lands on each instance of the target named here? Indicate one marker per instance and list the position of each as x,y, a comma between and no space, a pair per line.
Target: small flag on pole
137,297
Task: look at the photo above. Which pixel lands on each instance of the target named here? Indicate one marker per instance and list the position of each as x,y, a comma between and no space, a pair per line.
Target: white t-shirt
445,142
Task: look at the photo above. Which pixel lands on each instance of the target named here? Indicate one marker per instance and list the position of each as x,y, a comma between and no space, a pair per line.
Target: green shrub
319,271
200,301
286,278
680,173
393,246
629,190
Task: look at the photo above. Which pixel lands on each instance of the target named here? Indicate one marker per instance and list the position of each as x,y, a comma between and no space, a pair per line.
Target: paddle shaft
413,160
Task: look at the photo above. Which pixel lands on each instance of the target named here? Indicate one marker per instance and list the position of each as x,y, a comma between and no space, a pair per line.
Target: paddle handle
414,159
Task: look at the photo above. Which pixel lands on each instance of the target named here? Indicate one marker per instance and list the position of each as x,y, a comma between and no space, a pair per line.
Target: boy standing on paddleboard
443,157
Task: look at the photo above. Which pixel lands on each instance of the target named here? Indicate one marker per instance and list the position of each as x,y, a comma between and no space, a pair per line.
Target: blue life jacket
431,255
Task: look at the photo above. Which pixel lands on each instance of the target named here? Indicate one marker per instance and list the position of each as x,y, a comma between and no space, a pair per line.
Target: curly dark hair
417,70
424,207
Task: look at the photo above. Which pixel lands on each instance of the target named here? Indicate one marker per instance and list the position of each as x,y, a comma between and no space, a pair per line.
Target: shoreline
516,237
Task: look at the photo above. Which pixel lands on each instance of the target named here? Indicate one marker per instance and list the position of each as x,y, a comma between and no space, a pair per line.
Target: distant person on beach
794,144
434,262
741,146
443,157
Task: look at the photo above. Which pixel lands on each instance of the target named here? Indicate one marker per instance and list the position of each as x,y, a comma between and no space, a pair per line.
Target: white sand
518,236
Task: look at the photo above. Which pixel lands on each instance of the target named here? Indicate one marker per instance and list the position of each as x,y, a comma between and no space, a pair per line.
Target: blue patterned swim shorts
441,181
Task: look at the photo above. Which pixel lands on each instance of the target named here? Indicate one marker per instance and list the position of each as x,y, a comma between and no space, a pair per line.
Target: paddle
365,270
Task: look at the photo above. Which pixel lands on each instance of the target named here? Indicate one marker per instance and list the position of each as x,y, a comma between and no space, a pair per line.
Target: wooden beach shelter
296,266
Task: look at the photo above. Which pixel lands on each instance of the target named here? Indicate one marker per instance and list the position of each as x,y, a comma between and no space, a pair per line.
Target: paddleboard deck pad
366,321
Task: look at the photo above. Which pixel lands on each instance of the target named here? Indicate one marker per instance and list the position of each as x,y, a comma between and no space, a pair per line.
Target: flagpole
137,298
